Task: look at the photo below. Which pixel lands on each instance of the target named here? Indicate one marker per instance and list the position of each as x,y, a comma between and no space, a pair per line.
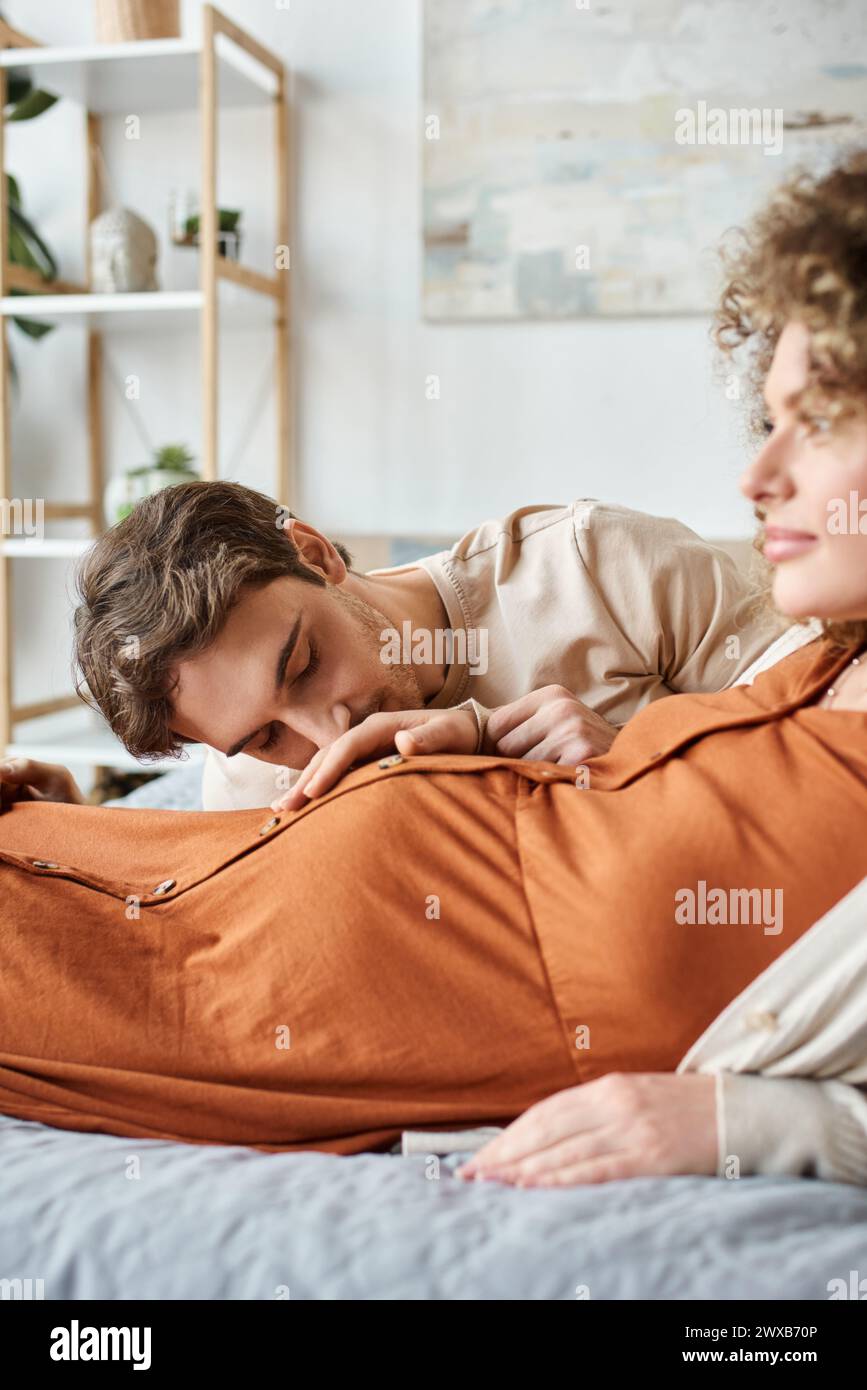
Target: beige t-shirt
620,607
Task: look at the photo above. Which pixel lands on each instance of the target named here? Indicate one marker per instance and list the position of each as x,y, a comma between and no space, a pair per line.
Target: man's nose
321,724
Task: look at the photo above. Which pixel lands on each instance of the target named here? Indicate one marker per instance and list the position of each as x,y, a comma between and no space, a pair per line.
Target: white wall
528,412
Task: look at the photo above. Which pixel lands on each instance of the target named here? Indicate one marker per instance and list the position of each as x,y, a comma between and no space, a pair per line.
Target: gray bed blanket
99,1217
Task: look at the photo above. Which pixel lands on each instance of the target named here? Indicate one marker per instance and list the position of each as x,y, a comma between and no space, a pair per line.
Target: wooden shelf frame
213,270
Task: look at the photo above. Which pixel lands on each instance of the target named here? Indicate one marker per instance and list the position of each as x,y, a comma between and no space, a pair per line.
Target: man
212,615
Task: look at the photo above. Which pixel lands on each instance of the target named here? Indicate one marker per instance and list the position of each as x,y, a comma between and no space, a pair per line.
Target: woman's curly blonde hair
804,257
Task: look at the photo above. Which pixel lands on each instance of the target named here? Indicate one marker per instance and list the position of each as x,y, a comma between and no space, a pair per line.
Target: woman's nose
768,476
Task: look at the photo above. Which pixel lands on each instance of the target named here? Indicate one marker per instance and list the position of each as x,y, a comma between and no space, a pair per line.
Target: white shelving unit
226,69
78,738
54,549
154,312
151,75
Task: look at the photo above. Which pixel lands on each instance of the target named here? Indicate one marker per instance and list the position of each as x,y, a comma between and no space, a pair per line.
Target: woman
448,940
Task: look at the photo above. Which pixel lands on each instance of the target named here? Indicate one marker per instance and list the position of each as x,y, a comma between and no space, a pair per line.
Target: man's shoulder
577,523
538,522
507,531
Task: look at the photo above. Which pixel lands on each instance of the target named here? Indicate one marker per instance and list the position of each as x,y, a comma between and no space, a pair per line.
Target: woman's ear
315,550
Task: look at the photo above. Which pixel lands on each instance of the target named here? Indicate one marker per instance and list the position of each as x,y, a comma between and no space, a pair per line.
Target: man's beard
400,687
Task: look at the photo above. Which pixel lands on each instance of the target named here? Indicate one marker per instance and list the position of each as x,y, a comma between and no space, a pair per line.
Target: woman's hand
623,1125
410,731
22,779
548,725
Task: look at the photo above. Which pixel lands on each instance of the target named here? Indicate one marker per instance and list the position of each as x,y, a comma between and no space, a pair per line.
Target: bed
195,1222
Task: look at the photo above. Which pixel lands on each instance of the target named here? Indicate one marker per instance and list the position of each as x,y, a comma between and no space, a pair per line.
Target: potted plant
170,465
228,232
26,247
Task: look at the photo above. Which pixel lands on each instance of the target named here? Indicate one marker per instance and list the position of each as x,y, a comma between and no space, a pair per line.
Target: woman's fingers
22,772
606,1168
623,1124
550,1121
570,1154
23,779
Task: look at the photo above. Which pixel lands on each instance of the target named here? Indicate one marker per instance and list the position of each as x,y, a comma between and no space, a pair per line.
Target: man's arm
681,605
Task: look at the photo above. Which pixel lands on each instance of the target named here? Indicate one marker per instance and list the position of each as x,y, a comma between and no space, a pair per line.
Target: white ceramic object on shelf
123,253
123,491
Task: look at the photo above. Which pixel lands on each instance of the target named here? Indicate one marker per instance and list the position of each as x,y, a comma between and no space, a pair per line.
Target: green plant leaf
173,456
19,251
32,105
33,328
44,261
227,221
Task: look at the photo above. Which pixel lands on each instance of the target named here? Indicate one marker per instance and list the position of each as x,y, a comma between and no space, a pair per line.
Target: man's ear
315,550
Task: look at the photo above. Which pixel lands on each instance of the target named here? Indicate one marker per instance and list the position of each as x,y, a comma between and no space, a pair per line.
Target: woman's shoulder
794,639
800,672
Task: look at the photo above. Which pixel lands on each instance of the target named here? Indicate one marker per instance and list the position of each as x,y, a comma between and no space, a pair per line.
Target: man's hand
410,731
548,725
623,1125
22,779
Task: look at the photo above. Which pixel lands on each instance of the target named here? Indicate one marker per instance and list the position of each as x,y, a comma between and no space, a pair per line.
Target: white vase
123,491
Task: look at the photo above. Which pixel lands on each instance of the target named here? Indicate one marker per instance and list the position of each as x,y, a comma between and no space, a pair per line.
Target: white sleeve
791,640
679,605
791,1125
242,783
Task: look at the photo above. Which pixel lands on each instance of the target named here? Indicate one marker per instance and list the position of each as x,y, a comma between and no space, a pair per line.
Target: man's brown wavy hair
804,257
158,587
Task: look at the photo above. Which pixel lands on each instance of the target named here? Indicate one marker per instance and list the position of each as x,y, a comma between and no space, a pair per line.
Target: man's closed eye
275,729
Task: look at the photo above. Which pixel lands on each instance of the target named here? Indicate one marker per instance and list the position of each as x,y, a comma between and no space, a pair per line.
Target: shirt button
164,887
761,1020
269,825
392,761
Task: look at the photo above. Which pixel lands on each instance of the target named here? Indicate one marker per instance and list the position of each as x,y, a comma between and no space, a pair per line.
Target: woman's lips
782,544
